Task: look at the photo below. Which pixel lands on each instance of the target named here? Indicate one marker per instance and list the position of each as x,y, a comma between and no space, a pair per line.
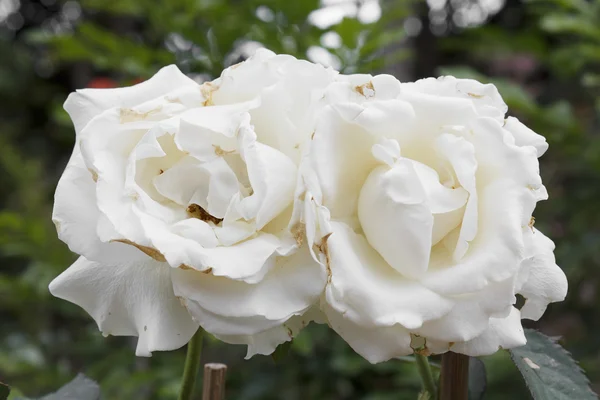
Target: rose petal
267,341
272,176
502,333
471,314
129,299
341,159
525,136
375,344
365,289
461,155
85,104
393,212
282,292
76,216
540,280
494,255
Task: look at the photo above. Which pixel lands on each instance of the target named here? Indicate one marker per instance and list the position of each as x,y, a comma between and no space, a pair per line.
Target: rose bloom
419,201
179,198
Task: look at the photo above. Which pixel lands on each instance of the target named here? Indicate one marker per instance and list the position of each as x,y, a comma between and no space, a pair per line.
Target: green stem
192,364
426,376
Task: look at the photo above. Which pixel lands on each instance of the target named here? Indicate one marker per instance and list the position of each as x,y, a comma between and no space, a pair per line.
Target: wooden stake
454,377
214,382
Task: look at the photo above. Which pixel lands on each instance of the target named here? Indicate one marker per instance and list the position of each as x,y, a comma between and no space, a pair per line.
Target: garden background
544,56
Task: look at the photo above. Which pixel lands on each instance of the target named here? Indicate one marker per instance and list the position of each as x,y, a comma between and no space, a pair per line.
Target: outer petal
375,344
75,213
291,286
267,341
471,314
525,136
129,300
540,280
85,104
366,290
494,255
502,333
507,188
76,216
484,97
286,122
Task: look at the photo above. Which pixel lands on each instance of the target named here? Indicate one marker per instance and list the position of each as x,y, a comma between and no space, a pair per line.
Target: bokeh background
543,55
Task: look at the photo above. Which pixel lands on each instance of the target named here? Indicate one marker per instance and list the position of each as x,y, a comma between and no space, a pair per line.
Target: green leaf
80,388
565,24
281,351
477,379
549,371
4,391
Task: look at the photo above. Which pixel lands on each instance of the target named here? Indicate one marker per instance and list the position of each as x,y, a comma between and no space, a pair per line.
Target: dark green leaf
549,371
80,388
477,379
281,351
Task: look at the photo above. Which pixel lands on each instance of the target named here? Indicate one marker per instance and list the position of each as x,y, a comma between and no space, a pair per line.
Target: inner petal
184,180
447,204
461,155
154,156
395,217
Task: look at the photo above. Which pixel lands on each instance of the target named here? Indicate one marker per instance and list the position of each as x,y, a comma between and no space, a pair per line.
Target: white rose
420,205
179,197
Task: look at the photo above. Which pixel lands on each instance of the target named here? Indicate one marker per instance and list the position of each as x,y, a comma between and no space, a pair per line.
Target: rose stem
425,372
214,382
454,378
192,363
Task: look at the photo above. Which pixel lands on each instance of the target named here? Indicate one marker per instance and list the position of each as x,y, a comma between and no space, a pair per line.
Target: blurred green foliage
544,56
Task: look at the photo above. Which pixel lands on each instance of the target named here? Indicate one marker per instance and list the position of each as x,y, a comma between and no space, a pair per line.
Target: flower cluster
283,193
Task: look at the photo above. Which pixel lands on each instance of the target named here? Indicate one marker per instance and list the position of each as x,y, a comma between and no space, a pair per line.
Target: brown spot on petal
207,89
172,99
94,175
196,211
290,332
298,232
188,268
161,171
367,90
312,136
129,115
477,96
150,251
531,223
220,152
182,301
323,248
